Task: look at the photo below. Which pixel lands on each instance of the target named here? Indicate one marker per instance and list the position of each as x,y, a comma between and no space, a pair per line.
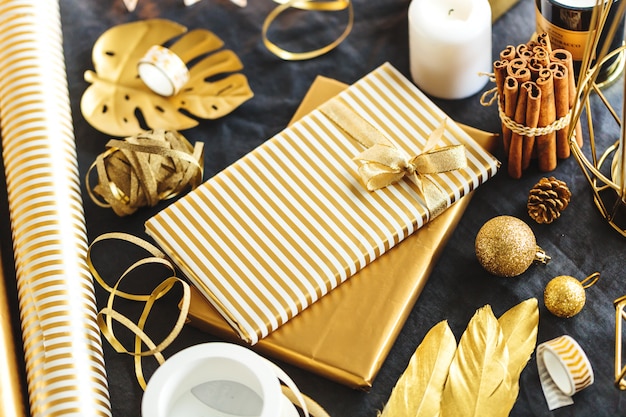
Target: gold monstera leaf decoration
118,102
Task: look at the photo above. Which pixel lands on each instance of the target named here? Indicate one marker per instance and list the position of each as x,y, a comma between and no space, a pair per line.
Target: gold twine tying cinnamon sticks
535,91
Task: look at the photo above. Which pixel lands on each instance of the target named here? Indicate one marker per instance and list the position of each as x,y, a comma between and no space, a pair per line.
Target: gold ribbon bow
382,164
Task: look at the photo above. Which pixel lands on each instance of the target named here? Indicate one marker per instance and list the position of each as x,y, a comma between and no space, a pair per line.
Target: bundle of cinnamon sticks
536,88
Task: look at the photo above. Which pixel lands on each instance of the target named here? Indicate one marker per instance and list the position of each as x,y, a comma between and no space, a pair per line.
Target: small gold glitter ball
564,296
505,246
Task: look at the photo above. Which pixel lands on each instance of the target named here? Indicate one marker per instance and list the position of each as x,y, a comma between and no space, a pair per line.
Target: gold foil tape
564,370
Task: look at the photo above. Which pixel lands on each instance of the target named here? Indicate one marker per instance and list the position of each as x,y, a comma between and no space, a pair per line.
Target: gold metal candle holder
609,190
620,315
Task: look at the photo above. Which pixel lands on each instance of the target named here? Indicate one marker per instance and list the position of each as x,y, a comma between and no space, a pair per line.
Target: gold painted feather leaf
519,329
418,391
478,381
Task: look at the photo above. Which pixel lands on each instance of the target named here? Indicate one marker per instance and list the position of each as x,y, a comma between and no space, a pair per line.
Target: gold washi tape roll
163,71
564,370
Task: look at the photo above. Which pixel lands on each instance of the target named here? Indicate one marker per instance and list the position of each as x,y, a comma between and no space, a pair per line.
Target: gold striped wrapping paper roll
62,347
290,221
564,370
13,401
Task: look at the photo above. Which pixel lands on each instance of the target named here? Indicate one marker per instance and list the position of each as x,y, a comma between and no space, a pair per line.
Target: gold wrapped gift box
324,339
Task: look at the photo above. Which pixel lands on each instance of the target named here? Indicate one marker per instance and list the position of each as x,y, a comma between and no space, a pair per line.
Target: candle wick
450,12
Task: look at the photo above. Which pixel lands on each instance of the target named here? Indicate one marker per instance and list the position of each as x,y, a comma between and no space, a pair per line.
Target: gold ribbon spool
620,370
564,370
106,316
382,164
144,169
310,5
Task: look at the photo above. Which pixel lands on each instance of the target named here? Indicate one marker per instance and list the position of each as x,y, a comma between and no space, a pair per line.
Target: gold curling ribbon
144,169
106,316
382,164
313,408
620,315
310,5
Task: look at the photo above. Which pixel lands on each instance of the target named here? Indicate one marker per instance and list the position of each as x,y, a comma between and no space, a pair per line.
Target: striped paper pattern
63,352
573,363
290,221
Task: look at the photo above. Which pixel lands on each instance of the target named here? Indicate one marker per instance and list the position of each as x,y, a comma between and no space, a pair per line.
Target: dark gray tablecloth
580,242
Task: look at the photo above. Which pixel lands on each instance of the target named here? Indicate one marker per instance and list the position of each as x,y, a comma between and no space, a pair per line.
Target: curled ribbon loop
382,164
311,5
107,315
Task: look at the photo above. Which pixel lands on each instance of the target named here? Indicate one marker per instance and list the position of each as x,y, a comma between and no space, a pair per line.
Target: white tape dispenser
219,380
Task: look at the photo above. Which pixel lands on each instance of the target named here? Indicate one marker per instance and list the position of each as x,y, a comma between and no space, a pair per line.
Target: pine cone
547,199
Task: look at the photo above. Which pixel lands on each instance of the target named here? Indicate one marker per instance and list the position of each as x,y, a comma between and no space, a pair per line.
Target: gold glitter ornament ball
505,246
564,296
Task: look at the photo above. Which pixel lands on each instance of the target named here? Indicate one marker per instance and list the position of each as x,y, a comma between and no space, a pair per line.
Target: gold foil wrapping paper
323,338
63,355
276,231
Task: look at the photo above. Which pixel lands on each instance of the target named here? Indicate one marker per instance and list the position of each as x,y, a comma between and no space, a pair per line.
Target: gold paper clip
620,371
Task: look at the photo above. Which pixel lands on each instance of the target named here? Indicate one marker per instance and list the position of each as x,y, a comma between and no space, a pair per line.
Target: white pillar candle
449,46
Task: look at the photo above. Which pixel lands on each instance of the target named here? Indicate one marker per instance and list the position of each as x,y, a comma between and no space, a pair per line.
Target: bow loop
386,155
444,159
376,176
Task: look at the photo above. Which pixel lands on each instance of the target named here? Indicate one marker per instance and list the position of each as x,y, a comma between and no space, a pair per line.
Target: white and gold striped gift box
290,221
